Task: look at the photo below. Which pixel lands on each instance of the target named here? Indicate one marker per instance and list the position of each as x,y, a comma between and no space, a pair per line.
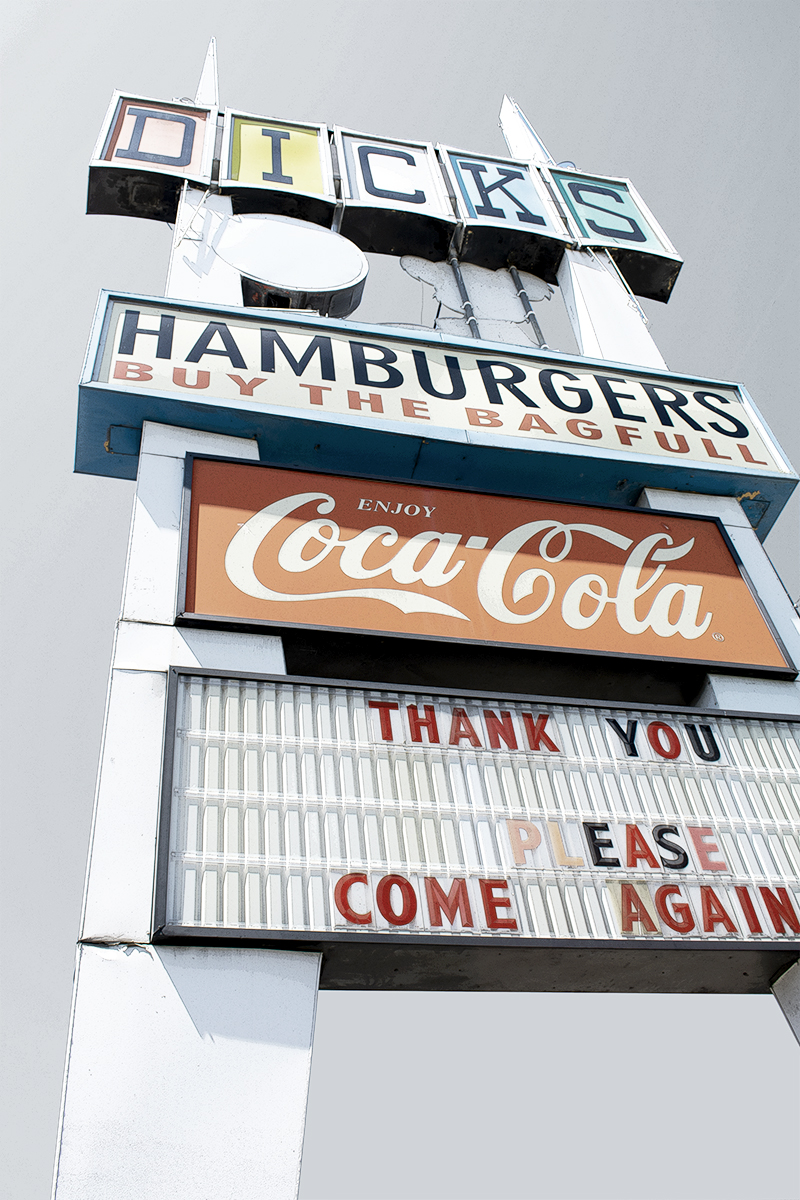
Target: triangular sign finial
207,92
521,138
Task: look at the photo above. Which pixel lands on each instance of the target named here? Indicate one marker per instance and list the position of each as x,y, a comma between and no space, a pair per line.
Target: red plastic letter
492,903
383,898
461,729
636,848
419,723
699,834
453,903
658,733
341,895
679,915
536,733
385,708
714,912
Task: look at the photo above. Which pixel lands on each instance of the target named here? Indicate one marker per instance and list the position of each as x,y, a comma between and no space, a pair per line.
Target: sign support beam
786,990
165,1041
606,319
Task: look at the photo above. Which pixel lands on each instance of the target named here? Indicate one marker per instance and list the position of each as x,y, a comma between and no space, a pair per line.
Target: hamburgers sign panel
290,547
327,394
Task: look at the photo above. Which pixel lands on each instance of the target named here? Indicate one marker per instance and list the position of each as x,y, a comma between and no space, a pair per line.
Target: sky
440,1096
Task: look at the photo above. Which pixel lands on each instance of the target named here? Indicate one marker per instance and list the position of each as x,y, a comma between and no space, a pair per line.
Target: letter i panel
610,212
395,198
292,548
146,151
406,832
509,219
273,166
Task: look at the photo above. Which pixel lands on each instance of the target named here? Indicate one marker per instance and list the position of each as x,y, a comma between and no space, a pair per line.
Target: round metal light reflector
297,259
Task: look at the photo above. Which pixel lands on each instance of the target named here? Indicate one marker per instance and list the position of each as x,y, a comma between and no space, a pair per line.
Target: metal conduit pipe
526,304
469,311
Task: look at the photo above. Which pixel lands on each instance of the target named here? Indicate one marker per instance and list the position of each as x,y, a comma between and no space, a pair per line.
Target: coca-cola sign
290,547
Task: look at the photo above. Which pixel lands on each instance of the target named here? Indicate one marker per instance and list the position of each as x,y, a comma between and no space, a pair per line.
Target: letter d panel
283,167
611,213
145,151
509,220
395,199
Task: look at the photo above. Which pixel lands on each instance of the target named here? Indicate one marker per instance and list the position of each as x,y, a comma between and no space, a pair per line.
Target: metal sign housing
331,395
280,167
147,149
444,840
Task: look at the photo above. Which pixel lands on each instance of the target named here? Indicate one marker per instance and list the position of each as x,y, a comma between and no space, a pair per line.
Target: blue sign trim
110,418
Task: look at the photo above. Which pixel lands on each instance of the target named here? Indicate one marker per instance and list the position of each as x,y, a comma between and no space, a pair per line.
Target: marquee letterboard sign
301,809
289,547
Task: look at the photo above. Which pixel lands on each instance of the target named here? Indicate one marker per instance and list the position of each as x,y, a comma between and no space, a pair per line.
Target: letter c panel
395,197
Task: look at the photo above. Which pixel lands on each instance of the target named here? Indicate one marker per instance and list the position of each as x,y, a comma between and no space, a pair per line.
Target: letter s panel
609,212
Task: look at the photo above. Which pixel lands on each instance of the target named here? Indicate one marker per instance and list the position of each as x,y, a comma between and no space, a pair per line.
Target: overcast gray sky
444,1096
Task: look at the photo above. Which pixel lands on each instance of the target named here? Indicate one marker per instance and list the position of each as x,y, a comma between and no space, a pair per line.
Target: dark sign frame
376,961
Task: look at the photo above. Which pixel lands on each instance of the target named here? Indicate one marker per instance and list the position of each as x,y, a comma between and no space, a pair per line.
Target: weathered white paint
605,316
120,880
121,868
156,647
208,85
174,442
196,272
786,990
735,691
151,577
187,1069
187,1074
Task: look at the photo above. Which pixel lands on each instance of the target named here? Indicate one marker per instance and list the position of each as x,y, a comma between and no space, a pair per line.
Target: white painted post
739,691
187,1074
187,1068
606,318
786,990
195,270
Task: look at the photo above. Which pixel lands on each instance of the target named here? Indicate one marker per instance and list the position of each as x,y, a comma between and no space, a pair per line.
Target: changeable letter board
312,810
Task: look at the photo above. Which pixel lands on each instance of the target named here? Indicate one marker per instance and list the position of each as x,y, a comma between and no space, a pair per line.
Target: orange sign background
305,549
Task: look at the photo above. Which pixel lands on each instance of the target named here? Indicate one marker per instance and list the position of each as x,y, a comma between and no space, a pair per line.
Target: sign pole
606,318
211,1024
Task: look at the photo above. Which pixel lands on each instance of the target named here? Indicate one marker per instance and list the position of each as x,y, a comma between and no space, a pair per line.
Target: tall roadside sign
446,660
